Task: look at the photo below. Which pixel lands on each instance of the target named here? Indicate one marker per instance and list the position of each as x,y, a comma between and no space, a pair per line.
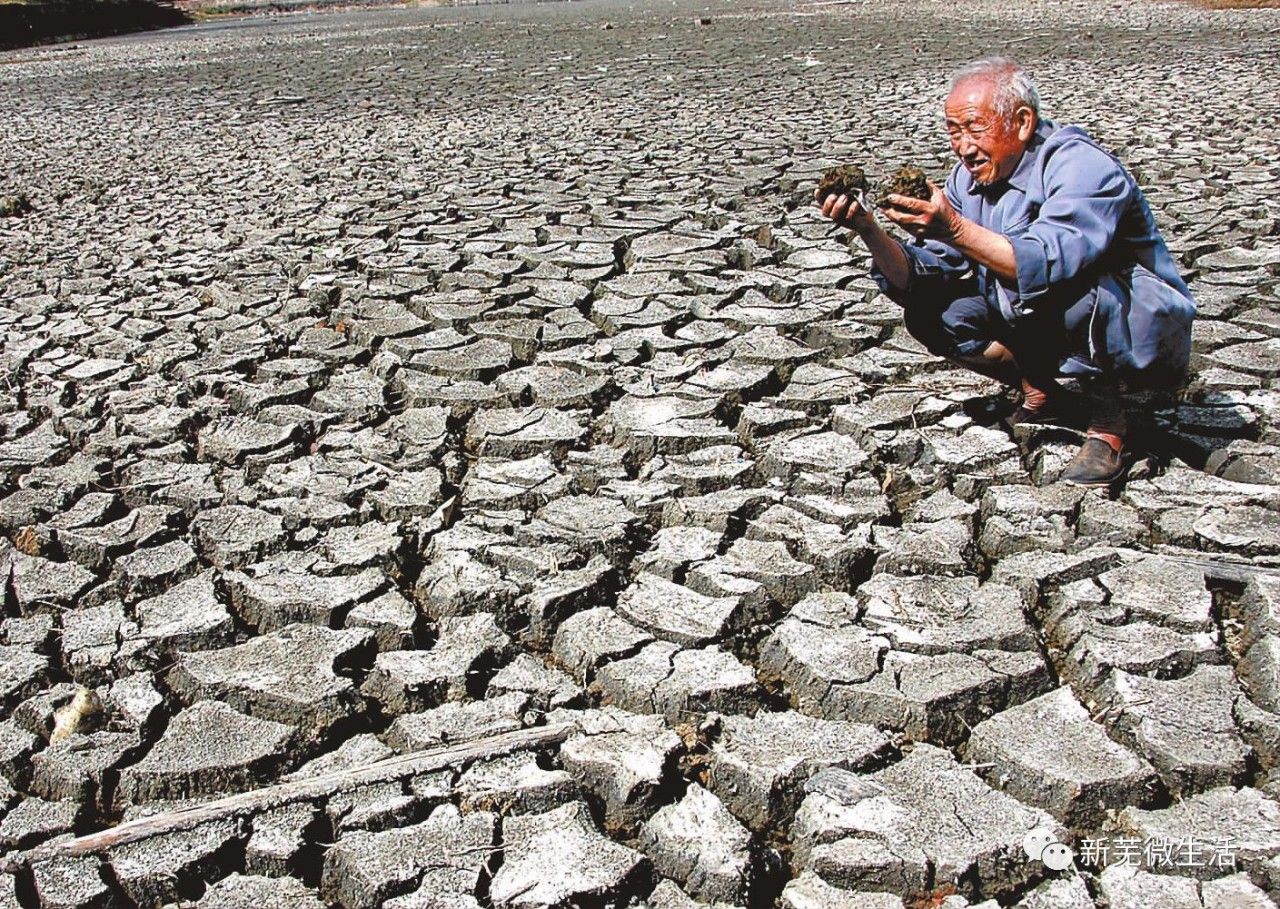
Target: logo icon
1043,846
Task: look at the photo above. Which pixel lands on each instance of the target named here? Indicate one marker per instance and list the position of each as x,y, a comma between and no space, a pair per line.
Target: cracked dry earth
383,381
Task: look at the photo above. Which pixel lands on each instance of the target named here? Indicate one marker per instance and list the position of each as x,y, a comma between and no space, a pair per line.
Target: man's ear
1025,120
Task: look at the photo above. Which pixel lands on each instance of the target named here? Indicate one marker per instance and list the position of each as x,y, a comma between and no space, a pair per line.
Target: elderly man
1040,260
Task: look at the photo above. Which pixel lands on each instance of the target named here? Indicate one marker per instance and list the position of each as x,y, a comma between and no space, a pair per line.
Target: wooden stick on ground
1217,567
399,767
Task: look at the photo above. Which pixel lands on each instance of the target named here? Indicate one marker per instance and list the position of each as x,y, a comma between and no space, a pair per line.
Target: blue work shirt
1084,241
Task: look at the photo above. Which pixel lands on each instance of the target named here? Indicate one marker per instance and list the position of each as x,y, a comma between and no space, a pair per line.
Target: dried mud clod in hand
908,181
845,180
14,206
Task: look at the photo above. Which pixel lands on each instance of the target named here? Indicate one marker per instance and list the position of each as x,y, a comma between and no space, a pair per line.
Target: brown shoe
1097,463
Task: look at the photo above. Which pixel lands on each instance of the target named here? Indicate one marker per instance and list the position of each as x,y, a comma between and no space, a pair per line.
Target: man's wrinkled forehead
971,98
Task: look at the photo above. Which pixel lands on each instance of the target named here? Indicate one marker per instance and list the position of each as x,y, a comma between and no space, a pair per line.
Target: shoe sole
1099,484
1093,484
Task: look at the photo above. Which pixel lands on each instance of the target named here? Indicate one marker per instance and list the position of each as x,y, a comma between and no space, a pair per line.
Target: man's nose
963,145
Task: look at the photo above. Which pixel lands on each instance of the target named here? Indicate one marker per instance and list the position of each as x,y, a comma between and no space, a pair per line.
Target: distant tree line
24,24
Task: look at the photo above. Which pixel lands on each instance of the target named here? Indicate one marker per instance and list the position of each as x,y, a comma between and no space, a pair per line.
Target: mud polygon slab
1244,820
665,425
278,839
1184,727
588,639
34,820
759,766
364,869
918,824
406,680
69,883
594,525
514,784
1050,754
1130,887
559,857
699,843
930,614
232,536
239,891
524,432
626,767
527,483
550,688
457,722
674,613
39,584
207,749
809,891
1163,592
276,596
150,871
288,676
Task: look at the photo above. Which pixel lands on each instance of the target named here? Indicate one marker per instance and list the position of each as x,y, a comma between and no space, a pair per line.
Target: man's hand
885,251
933,218
845,211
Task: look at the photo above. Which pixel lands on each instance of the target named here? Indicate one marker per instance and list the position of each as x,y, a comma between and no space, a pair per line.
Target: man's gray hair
1013,87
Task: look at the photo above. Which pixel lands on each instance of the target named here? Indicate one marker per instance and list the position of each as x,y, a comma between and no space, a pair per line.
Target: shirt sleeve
1086,193
934,266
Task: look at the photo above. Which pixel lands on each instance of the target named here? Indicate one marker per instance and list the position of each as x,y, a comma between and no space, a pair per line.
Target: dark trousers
1051,343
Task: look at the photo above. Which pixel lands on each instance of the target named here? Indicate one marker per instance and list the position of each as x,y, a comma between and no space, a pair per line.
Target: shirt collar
1018,179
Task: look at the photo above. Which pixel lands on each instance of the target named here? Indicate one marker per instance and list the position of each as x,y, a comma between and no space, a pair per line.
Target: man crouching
1039,260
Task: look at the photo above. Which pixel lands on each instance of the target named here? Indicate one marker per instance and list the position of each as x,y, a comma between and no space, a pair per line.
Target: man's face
988,145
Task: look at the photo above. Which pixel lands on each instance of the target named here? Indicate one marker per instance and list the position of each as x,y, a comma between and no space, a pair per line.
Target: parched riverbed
484,377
